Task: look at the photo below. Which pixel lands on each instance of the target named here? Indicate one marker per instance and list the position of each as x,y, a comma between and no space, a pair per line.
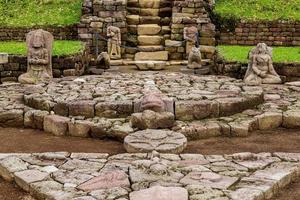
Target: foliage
240,53
259,9
29,13
60,47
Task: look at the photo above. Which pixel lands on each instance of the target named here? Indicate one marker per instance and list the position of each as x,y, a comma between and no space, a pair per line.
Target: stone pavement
96,176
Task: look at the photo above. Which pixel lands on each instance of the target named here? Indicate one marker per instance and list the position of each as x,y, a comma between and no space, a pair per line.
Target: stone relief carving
190,34
39,47
114,42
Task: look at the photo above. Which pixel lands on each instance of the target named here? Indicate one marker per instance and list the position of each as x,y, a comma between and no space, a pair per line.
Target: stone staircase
149,27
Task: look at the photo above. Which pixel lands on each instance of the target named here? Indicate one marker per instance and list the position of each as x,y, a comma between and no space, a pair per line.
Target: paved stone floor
90,176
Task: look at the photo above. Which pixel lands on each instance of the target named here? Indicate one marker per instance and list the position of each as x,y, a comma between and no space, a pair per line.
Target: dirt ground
26,141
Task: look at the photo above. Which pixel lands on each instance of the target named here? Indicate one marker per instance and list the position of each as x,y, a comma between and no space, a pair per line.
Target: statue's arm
271,68
45,59
255,68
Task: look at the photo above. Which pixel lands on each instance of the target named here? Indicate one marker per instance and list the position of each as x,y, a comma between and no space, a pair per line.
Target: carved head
262,48
153,102
195,50
38,40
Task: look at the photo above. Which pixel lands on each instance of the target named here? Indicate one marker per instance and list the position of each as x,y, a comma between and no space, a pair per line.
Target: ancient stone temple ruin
151,30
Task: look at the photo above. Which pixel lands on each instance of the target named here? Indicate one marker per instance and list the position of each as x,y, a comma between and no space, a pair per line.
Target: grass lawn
240,53
28,13
259,9
60,47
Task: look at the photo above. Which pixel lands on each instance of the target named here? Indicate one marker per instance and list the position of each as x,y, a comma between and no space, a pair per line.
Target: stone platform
95,176
100,106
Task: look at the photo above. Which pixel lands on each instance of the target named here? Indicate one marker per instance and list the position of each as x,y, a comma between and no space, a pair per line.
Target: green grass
60,47
259,9
240,53
29,13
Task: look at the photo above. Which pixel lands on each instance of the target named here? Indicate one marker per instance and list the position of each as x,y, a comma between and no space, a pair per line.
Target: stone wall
17,65
290,71
273,33
96,17
59,33
191,13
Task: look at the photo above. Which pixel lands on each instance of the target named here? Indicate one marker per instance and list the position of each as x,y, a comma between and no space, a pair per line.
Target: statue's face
262,48
38,40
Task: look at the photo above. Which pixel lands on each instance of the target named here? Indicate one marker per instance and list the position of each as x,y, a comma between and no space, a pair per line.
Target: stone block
57,125
25,178
148,29
195,110
149,40
269,120
159,55
291,119
79,128
114,109
84,108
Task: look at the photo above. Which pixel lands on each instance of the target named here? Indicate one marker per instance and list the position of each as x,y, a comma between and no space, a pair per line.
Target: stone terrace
80,176
233,109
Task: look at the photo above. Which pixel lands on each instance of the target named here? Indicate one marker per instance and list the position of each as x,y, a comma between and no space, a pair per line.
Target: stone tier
115,95
96,176
280,109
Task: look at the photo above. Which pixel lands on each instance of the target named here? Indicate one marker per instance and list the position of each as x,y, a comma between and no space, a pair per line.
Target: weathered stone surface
269,120
194,110
152,120
158,140
159,55
82,108
291,119
208,179
114,109
56,125
160,193
25,178
79,129
148,29
106,180
151,65
10,165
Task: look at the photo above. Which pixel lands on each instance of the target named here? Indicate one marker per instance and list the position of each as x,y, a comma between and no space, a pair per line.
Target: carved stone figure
39,47
260,68
103,61
190,34
114,42
194,58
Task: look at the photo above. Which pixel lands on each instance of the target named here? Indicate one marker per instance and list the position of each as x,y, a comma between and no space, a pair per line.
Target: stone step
151,48
148,29
146,40
150,4
158,55
133,19
150,20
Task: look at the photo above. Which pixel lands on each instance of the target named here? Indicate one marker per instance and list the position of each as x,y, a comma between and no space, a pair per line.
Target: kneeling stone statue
39,54
194,61
260,68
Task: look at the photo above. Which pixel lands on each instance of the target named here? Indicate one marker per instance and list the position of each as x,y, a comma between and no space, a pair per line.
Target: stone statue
39,54
190,34
103,61
194,58
114,42
260,69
